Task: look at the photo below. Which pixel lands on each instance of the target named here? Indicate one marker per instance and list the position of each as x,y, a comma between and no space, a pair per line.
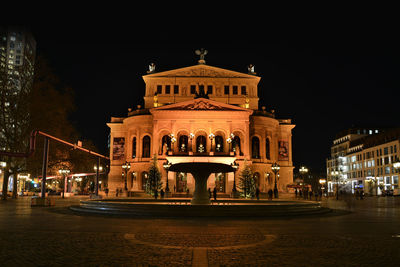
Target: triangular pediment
200,104
201,70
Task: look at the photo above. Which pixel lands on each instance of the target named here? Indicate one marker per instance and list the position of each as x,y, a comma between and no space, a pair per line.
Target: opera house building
199,113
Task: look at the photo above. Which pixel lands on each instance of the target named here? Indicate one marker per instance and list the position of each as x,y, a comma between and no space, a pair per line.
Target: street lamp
335,174
322,182
97,170
303,170
275,168
166,166
64,173
235,166
126,166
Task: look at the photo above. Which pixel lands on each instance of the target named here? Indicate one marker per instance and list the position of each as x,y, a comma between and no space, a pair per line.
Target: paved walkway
362,233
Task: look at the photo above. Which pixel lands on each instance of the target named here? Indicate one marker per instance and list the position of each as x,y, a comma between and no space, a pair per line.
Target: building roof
377,139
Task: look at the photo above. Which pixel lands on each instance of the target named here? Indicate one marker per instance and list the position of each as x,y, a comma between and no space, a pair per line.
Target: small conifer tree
247,184
154,182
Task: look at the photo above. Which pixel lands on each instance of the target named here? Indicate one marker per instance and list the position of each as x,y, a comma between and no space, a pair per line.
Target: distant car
387,192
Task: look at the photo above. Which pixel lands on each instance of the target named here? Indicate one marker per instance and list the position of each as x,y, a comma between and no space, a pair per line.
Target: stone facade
175,123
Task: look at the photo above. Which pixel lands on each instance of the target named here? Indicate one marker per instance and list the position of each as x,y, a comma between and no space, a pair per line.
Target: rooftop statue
202,52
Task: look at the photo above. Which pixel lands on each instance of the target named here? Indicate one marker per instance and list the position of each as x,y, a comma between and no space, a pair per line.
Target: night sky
325,81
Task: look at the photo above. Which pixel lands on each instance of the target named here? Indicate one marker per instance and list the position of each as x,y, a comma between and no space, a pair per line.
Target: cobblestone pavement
358,233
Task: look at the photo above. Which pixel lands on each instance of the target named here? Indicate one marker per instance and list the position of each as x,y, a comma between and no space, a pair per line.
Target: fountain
201,171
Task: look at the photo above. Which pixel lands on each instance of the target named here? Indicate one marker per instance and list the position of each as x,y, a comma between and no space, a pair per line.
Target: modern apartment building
364,158
17,59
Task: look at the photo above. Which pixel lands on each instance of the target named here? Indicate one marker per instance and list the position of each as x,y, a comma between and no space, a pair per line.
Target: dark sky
325,80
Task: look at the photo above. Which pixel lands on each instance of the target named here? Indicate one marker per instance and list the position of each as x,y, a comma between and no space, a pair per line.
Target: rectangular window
159,89
168,89
176,89
209,89
201,88
226,89
243,90
386,150
193,89
234,90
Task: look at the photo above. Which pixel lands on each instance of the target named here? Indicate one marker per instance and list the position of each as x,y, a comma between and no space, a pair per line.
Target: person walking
215,193
106,191
295,192
270,194
258,193
162,193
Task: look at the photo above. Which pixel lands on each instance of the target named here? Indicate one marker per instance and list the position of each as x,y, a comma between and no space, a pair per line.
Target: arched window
267,149
134,147
165,144
183,143
255,147
219,144
201,144
146,147
145,176
236,144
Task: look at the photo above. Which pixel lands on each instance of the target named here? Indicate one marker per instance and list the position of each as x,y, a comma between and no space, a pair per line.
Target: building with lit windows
364,159
201,113
17,59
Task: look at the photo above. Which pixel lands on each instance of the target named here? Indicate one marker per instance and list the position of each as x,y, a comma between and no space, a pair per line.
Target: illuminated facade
201,112
364,158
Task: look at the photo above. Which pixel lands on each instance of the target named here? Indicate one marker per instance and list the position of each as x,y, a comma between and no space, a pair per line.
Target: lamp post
335,175
64,173
211,136
97,169
126,166
303,170
235,166
166,166
275,168
322,182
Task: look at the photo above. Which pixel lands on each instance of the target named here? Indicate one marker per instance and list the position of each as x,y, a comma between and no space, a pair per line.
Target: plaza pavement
357,233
